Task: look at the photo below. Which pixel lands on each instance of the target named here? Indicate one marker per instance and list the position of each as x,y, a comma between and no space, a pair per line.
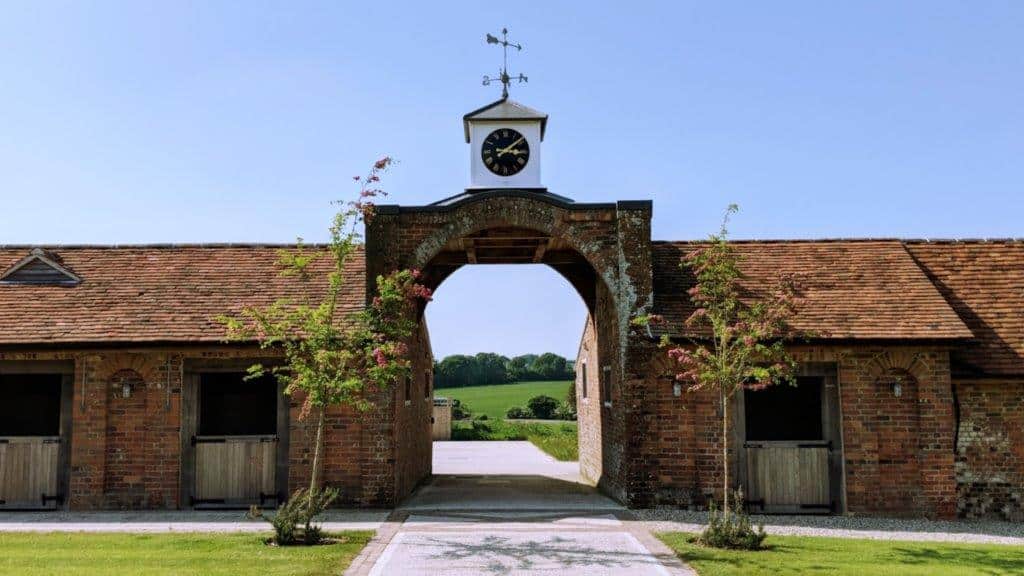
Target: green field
840,556
25,554
496,399
558,439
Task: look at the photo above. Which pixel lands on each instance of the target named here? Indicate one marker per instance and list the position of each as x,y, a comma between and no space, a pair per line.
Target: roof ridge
865,240
162,245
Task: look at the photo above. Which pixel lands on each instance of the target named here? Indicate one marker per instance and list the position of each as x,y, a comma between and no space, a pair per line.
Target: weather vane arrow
504,77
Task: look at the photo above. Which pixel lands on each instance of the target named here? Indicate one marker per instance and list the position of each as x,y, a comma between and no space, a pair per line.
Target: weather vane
504,78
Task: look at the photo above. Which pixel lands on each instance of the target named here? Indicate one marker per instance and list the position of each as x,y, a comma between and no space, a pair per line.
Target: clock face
505,152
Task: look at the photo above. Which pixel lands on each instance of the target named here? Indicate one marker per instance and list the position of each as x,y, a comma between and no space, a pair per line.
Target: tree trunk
725,453
318,449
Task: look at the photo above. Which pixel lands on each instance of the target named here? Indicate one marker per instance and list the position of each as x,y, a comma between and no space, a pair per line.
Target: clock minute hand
510,146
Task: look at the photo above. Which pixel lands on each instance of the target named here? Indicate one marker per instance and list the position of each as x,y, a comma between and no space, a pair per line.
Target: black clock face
505,152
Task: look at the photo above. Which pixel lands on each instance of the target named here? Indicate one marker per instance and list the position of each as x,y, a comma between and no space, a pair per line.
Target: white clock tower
504,137
504,140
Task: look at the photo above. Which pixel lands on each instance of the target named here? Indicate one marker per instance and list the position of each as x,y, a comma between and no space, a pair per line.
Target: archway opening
517,380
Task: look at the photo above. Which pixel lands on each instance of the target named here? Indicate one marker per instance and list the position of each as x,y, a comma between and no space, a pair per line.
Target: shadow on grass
987,561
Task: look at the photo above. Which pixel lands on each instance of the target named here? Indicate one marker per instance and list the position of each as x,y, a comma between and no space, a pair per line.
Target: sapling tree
737,339
332,357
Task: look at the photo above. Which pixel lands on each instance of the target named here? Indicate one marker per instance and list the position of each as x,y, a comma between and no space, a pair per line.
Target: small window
408,389
606,385
583,379
427,384
785,413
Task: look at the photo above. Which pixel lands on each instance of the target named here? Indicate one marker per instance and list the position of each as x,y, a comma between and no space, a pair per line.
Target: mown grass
558,439
800,555
35,554
495,400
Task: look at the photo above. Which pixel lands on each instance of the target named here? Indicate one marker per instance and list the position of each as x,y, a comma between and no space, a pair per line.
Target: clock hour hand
510,147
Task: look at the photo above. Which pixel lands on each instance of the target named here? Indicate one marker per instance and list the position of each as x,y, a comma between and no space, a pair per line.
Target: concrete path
500,459
506,543
509,476
508,508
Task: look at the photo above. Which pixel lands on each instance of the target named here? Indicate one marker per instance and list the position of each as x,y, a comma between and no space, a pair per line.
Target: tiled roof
984,282
155,293
854,289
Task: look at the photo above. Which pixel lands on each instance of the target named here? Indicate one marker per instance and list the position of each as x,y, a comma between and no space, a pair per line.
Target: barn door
235,449
235,469
789,452
32,439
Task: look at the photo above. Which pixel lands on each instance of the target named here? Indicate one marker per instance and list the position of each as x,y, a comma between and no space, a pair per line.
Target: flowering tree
330,358
739,343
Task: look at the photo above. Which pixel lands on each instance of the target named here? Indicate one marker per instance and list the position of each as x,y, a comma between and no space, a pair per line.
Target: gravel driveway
989,532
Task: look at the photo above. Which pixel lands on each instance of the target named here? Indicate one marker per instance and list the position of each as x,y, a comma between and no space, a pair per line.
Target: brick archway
603,250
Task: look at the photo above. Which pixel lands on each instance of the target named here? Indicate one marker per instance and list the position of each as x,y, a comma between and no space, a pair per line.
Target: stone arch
610,240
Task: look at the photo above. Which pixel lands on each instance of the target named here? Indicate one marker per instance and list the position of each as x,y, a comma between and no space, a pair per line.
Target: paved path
508,508
500,458
506,543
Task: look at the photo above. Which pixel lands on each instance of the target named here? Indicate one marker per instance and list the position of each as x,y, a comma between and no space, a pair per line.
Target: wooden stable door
790,459
29,467
235,469
236,452
34,425
788,477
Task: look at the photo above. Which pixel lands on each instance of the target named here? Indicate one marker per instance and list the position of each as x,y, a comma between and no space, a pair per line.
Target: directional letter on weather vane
504,78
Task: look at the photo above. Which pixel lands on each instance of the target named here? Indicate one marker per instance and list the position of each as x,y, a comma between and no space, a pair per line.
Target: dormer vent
39,268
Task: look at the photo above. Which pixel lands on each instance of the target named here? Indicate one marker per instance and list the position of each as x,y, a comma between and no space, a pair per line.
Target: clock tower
504,140
504,137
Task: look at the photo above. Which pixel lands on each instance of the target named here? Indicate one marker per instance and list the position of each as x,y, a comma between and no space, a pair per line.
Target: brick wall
413,442
612,244
898,451
125,453
990,449
588,408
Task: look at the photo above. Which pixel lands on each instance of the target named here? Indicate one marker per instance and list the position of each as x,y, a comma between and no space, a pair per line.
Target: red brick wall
126,452
413,443
589,409
141,456
898,451
613,243
990,449
684,450
342,450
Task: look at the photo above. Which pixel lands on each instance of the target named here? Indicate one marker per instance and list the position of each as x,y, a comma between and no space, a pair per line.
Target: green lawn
25,554
556,438
836,556
496,399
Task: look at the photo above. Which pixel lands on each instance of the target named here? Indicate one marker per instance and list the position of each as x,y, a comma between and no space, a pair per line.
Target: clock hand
510,146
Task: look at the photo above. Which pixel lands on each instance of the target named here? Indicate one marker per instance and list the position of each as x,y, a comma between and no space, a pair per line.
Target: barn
120,391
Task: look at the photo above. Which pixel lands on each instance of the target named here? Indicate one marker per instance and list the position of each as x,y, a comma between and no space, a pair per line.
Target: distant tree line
485,368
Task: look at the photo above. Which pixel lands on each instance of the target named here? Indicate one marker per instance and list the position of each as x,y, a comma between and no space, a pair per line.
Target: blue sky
212,121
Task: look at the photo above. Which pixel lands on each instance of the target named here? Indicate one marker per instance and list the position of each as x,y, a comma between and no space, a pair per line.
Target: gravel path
987,532
172,521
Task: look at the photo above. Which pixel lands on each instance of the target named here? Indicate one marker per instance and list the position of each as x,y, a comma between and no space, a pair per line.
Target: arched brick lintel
585,230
